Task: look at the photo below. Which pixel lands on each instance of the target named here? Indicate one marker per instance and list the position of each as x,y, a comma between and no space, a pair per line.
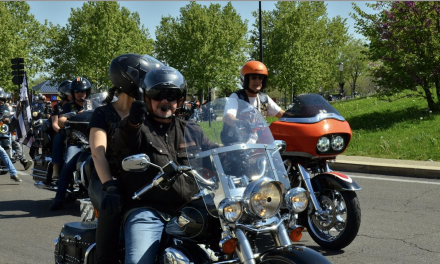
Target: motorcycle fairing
334,180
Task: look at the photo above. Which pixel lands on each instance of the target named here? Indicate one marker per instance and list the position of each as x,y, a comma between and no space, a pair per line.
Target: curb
387,169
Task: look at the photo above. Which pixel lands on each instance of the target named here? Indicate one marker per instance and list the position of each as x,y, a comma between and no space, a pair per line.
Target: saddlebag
76,243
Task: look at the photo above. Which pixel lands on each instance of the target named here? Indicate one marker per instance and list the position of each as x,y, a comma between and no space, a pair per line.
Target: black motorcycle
233,208
75,131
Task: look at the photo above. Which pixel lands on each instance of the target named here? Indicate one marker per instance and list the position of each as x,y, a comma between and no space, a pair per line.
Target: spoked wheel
339,223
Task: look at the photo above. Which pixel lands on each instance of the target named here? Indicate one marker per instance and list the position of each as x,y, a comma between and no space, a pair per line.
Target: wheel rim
330,225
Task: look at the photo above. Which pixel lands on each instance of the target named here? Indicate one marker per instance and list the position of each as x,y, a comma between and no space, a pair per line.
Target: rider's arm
231,110
280,114
55,125
128,137
61,121
98,146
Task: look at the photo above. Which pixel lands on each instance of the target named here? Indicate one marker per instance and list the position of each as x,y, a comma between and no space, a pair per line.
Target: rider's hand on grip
112,199
137,112
243,125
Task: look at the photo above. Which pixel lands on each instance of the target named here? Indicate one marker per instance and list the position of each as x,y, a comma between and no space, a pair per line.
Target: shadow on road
35,208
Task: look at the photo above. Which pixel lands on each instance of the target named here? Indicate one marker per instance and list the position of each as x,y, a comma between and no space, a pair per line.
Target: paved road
399,222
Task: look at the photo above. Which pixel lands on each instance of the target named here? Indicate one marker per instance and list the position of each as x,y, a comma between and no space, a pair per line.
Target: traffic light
18,70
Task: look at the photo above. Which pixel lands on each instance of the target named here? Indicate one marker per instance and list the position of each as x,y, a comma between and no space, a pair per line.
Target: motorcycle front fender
335,180
293,254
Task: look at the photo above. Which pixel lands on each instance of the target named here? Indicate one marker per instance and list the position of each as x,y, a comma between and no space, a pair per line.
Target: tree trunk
431,104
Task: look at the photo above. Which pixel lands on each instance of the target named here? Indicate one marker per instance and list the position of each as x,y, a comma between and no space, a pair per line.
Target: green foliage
404,44
301,46
205,43
394,127
355,62
94,35
21,35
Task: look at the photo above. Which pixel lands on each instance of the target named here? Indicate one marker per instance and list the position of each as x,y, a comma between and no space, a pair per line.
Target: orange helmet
252,67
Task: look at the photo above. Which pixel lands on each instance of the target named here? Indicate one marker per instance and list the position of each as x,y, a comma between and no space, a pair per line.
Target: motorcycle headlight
262,198
323,144
34,114
230,209
297,199
4,128
80,136
338,143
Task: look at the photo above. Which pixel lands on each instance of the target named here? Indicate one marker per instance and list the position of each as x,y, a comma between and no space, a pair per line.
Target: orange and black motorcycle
315,132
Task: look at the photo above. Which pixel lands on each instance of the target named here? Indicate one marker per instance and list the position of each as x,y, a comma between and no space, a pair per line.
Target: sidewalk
409,168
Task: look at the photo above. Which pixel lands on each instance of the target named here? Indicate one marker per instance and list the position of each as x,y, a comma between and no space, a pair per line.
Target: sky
151,12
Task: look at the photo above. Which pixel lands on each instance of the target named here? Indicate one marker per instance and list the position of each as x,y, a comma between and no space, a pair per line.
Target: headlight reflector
297,199
34,114
263,197
323,144
231,210
338,143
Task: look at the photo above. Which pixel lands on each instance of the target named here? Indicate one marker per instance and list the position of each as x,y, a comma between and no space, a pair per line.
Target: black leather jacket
161,143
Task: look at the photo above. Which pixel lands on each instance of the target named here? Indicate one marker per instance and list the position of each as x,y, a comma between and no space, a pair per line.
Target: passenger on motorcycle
58,139
253,80
4,157
152,128
80,89
126,72
15,145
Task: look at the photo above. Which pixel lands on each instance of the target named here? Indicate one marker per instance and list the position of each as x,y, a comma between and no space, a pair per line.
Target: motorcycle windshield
310,105
229,158
94,101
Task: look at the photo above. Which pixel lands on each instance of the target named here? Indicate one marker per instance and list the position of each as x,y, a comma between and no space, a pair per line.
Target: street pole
261,33
341,84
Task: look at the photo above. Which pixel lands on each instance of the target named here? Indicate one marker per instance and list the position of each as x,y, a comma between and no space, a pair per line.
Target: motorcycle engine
174,255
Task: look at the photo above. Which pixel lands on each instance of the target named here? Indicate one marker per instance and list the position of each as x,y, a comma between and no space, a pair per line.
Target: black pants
108,229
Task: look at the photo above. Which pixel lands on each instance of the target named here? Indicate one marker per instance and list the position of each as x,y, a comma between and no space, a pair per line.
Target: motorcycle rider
126,72
14,144
80,89
152,128
58,139
253,80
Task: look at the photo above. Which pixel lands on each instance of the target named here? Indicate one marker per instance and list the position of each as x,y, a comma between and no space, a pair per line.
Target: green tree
207,44
301,46
21,35
355,62
404,43
94,35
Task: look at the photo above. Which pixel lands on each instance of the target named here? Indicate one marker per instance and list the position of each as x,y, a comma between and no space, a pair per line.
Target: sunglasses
80,91
257,76
168,94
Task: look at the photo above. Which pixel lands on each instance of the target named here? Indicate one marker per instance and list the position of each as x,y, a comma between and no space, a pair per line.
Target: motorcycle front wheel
338,226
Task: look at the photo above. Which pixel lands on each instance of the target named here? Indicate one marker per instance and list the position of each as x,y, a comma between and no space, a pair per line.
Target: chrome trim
174,256
272,227
41,185
81,171
307,180
217,151
311,120
247,254
86,256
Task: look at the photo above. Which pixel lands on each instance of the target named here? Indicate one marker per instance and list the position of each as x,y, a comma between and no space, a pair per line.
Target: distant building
49,90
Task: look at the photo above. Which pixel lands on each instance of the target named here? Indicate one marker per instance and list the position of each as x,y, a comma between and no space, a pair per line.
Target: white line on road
396,180
22,173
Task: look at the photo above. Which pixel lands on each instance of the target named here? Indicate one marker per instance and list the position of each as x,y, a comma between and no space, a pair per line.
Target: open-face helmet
253,68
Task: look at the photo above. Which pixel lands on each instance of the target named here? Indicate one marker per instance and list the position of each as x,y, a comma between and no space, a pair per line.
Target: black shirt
57,110
107,118
71,106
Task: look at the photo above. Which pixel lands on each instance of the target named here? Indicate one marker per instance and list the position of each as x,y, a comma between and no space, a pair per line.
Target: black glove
137,112
243,130
112,199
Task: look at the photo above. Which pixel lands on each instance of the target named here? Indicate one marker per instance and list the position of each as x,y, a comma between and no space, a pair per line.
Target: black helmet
41,97
80,84
164,78
3,95
126,71
64,89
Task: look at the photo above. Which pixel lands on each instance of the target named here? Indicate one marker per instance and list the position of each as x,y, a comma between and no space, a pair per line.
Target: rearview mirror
136,163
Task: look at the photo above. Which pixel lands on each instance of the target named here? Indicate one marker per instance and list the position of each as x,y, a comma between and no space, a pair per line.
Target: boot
55,172
26,163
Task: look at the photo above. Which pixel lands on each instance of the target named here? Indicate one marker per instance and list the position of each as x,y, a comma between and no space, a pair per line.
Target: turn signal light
229,246
1,123
296,234
95,211
14,133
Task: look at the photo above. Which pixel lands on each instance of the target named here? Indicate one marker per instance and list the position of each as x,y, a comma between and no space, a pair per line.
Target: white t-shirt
272,108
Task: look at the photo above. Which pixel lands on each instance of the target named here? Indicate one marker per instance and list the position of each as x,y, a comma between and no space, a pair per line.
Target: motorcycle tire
352,223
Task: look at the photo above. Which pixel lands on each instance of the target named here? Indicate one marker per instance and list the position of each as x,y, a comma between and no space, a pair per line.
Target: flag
23,114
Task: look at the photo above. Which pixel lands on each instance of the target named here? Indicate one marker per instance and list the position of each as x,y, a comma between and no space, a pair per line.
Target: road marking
395,180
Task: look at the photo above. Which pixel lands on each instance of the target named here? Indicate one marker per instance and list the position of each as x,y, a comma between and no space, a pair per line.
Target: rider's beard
164,111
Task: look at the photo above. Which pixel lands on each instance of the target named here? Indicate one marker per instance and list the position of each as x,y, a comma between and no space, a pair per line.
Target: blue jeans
72,154
4,157
143,231
57,149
